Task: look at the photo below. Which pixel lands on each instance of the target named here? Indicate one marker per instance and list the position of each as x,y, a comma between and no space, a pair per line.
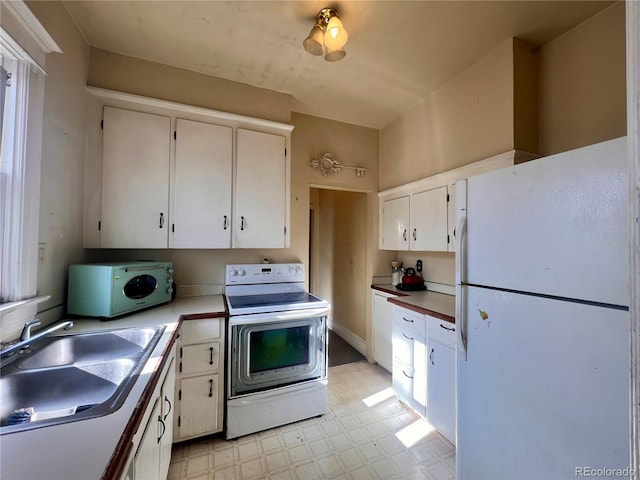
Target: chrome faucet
26,331
26,338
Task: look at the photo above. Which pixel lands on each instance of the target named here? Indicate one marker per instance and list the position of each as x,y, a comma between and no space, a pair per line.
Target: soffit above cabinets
397,52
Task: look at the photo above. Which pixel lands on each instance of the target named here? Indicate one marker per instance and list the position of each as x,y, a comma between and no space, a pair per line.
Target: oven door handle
255,318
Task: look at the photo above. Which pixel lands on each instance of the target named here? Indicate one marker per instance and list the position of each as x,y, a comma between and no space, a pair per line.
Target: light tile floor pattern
354,440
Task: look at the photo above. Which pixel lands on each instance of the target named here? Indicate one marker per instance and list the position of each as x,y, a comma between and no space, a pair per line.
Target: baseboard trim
348,336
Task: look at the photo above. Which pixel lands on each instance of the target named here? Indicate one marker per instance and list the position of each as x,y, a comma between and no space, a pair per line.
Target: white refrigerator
542,297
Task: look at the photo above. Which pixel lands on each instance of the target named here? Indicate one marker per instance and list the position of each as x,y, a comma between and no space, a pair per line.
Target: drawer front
199,406
199,331
442,332
204,357
403,341
402,380
410,348
410,320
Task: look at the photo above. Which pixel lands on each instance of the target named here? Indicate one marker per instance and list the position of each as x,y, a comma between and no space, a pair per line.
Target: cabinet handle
166,399
414,234
404,235
164,428
405,374
211,356
210,388
405,336
447,328
407,320
241,223
226,222
431,357
161,220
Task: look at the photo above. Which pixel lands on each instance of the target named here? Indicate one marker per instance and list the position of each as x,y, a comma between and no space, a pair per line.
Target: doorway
338,260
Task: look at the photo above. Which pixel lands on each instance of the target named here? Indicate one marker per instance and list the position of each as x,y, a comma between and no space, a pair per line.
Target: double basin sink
72,377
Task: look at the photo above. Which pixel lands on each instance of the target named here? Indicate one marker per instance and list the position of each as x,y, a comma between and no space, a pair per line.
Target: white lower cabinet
382,329
199,395
409,375
152,457
424,367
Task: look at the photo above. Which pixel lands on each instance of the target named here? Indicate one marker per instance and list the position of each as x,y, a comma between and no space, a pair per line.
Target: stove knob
233,272
298,270
242,272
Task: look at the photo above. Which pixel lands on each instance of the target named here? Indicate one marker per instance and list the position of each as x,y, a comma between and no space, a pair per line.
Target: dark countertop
436,304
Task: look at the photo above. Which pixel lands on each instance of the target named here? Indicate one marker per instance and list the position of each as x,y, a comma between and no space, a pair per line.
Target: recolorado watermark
604,472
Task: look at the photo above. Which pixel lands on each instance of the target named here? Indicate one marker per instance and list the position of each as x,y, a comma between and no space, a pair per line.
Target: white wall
62,185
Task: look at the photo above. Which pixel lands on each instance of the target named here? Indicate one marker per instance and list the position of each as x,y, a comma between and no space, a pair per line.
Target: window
21,117
22,91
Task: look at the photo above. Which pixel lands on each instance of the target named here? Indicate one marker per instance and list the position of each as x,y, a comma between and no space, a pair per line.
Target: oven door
276,349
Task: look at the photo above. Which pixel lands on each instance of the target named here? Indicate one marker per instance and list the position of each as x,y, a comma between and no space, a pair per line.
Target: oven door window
273,354
278,348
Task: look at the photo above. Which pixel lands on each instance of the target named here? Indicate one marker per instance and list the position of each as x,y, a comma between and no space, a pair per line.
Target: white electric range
277,348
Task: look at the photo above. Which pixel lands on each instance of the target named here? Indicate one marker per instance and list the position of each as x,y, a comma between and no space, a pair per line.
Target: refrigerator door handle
461,317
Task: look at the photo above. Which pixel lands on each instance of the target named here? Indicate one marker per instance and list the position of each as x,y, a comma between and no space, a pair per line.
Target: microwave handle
143,269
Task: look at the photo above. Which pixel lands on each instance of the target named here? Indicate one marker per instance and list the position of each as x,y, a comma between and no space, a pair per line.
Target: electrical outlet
41,249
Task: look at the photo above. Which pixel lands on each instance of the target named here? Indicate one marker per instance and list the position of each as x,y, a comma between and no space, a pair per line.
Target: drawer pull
166,399
405,374
431,357
406,336
211,356
451,329
210,388
407,320
164,428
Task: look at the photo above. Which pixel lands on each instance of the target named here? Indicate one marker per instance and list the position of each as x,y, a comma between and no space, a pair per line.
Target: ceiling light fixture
327,37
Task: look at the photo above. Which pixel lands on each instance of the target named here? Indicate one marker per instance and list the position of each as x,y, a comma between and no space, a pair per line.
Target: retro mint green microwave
109,290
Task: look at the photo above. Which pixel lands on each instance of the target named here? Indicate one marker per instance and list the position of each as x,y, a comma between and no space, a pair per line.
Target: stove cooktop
274,301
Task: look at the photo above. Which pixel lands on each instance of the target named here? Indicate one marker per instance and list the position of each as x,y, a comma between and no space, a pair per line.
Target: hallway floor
366,434
340,352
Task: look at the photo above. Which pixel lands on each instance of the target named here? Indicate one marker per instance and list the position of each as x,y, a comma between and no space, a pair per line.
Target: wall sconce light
328,165
327,37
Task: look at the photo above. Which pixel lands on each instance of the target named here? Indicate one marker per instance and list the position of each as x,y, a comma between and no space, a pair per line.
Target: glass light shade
334,55
314,42
335,36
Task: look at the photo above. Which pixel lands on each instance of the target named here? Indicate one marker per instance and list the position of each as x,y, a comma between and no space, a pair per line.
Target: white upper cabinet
135,179
202,187
261,191
429,220
420,215
415,222
165,175
395,224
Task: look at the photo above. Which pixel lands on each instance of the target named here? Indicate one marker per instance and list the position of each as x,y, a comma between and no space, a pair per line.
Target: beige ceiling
397,51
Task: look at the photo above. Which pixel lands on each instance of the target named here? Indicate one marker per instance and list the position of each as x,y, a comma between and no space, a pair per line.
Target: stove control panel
251,274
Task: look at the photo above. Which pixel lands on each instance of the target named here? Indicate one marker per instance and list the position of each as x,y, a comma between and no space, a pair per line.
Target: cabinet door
261,191
395,224
202,217
451,218
204,357
441,389
199,411
429,220
382,331
166,412
135,179
147,466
